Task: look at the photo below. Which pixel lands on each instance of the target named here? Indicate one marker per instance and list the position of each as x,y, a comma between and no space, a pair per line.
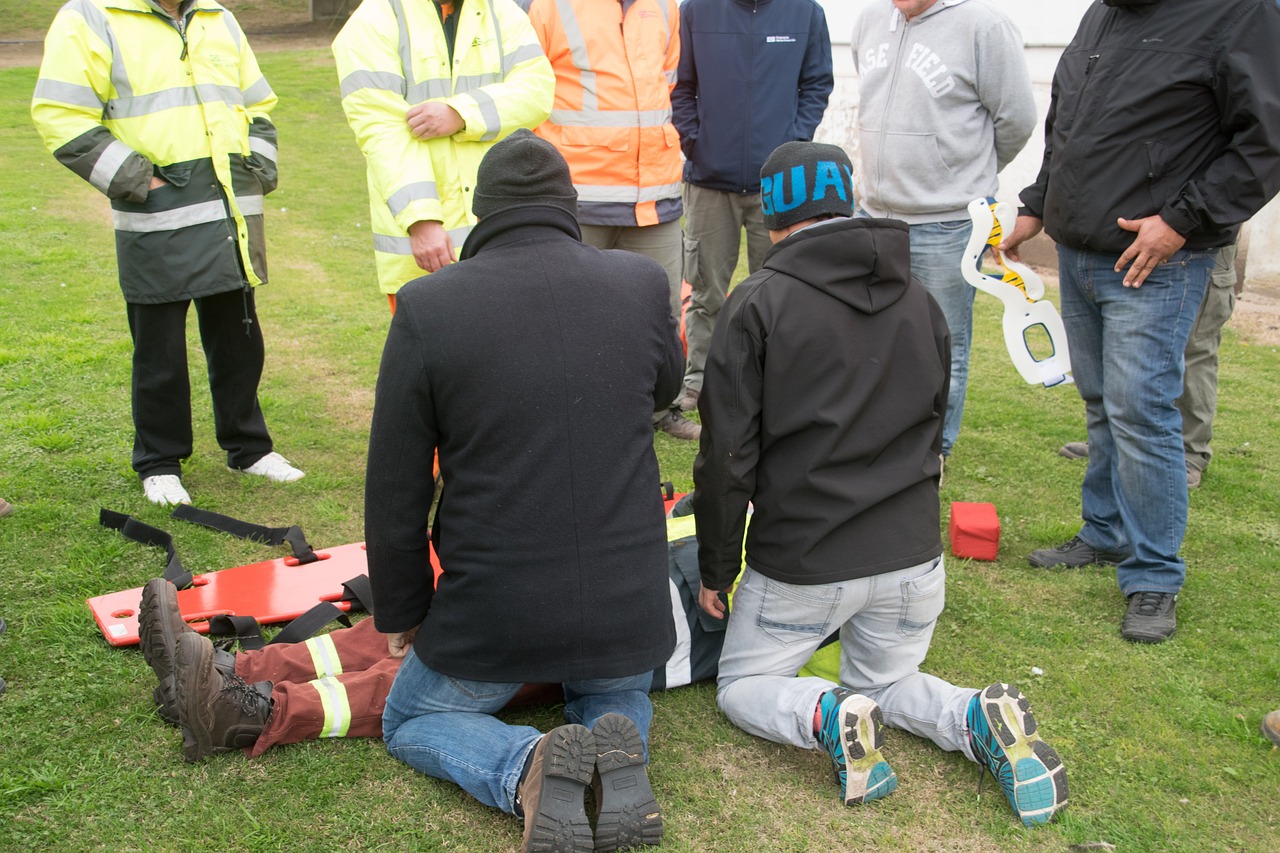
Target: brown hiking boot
688,400
627,814
217,712
551,793
160,623
678,426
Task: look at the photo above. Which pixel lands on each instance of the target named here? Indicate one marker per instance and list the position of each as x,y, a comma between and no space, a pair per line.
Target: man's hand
709,601
1156,242
156,181
399,644
433,119
432,248
1024,229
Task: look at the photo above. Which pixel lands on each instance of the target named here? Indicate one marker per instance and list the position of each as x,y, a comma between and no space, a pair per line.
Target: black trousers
162,387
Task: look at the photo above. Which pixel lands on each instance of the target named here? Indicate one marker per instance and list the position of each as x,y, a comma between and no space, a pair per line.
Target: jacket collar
513,223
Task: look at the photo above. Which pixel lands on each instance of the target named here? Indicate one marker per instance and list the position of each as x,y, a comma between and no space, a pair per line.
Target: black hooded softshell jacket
534,365
1168,107
825,388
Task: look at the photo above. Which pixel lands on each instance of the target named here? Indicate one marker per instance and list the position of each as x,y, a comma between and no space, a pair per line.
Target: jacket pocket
914,189
612,138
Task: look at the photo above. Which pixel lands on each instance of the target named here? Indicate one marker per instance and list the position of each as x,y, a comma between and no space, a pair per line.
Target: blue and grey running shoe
853,732
1002,732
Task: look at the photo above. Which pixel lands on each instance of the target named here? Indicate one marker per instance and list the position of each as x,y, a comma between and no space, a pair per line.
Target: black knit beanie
803,180
520,170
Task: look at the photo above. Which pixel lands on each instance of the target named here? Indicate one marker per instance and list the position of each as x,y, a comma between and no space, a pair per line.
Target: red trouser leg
346,650
348,705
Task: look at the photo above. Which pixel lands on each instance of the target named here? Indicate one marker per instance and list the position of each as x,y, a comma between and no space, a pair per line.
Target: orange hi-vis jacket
615,66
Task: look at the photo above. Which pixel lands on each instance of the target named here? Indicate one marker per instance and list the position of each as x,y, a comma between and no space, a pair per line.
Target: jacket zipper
893,85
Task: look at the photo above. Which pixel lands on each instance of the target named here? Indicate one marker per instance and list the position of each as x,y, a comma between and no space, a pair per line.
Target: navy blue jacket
753,74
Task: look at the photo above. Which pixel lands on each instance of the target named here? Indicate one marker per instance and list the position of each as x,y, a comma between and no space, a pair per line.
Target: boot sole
628,814
560,825
158,641
188,677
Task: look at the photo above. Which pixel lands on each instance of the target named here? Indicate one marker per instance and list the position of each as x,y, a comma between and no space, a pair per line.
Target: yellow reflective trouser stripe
337,710
324,654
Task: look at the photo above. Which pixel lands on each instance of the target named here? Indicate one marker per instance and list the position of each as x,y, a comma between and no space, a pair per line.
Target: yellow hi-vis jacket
125,92
615,70
392,55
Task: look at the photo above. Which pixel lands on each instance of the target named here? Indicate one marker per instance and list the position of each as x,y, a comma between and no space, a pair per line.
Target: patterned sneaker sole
560,825
867,775
1028,769
628,815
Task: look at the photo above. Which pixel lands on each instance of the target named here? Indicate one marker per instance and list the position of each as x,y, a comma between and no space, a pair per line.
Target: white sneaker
165,489
274,467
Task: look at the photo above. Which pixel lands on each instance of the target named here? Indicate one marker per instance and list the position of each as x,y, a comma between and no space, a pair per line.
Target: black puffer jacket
1168,107
534,366
825,388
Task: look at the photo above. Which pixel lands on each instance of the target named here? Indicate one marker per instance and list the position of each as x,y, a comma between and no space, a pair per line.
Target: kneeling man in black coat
532,367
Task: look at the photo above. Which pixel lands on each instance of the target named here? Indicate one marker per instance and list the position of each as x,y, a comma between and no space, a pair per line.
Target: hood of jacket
864,263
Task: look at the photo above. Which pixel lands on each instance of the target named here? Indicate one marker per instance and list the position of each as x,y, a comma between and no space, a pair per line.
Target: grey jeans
885,624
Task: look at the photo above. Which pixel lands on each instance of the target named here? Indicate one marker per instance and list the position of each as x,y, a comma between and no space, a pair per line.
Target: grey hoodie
946,103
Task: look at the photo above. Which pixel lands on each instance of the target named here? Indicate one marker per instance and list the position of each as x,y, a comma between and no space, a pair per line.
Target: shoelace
1149,603
250,700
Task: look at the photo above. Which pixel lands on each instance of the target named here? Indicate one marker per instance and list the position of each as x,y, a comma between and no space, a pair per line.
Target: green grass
1161,743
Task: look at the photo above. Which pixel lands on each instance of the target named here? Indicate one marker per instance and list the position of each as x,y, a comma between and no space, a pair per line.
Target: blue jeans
444,727
937,248
885,624
1126,356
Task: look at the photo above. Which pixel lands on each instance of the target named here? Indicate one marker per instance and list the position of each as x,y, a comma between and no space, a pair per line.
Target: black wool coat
534,366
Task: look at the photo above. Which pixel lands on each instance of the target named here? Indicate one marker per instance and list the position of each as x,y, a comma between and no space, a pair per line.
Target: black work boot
627,814
217,712
1074,553
160,623
552,790
1152,617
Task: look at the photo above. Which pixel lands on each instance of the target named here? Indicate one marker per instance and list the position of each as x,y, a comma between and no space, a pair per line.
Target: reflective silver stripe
489,112
523,53
92,16
68,93
231,30
251,205
578,51
109,162
392,245
255,94
258,145
383,81
333,698
666,16
409,193
630,195
101,27
231,94
168,99
170,220
403,246
428,90
671,77
402,47
467,82
611,118
497,34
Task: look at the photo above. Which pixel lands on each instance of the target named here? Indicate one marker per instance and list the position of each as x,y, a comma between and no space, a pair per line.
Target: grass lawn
1161,743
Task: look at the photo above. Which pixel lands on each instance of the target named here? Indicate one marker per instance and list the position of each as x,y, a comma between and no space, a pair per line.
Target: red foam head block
975,530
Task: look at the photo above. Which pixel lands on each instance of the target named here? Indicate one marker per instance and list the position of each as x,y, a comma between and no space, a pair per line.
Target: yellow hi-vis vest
392,55
612,116
126,92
